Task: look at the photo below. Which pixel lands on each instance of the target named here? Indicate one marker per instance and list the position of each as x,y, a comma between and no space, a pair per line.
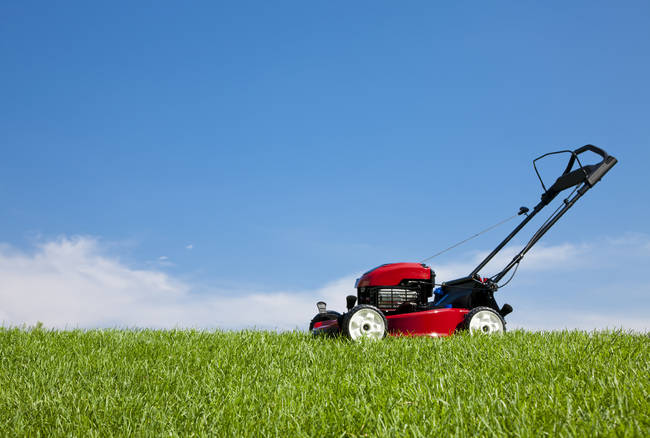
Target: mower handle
584,176
598,170
587,147
589,174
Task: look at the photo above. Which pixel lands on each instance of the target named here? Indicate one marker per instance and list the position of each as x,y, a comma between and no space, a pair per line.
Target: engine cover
396,287
392,274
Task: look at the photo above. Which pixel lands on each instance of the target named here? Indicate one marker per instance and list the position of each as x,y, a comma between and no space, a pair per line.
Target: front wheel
484,320
365,321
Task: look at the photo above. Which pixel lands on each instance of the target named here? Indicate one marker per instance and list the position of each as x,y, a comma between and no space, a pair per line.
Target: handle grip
588,174
601,170
585,148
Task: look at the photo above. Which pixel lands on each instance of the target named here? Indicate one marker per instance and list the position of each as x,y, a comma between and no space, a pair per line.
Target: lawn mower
394,299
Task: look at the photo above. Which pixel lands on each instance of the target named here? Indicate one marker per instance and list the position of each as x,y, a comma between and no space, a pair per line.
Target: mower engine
398,287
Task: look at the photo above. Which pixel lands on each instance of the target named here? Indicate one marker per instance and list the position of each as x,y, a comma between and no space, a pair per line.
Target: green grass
255,383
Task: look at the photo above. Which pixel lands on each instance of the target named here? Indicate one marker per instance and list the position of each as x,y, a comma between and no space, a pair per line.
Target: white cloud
190,246
542,258
164,261
71,282
559,319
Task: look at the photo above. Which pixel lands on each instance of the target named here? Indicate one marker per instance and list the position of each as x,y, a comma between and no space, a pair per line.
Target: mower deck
433,323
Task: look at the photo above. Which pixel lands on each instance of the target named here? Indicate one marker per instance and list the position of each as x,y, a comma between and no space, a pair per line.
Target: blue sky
267,150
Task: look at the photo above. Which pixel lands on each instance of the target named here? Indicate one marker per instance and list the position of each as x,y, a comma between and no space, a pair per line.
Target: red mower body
434,323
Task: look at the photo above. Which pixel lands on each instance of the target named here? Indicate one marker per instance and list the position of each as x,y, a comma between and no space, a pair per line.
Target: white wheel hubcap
366,323
486,322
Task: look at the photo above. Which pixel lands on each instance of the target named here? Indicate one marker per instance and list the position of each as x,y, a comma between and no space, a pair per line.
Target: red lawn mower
394,298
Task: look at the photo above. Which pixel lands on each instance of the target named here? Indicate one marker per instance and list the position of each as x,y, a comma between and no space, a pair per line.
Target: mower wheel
365,321
327,317
484,320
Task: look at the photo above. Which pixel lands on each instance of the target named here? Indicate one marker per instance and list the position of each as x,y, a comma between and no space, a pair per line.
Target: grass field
255,383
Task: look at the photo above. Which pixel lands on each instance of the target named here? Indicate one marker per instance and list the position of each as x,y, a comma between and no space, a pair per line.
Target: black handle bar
601,168
584,176
585,148
589,174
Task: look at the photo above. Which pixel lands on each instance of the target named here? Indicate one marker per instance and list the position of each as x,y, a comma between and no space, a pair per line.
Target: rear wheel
484,320
365,321
329,315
